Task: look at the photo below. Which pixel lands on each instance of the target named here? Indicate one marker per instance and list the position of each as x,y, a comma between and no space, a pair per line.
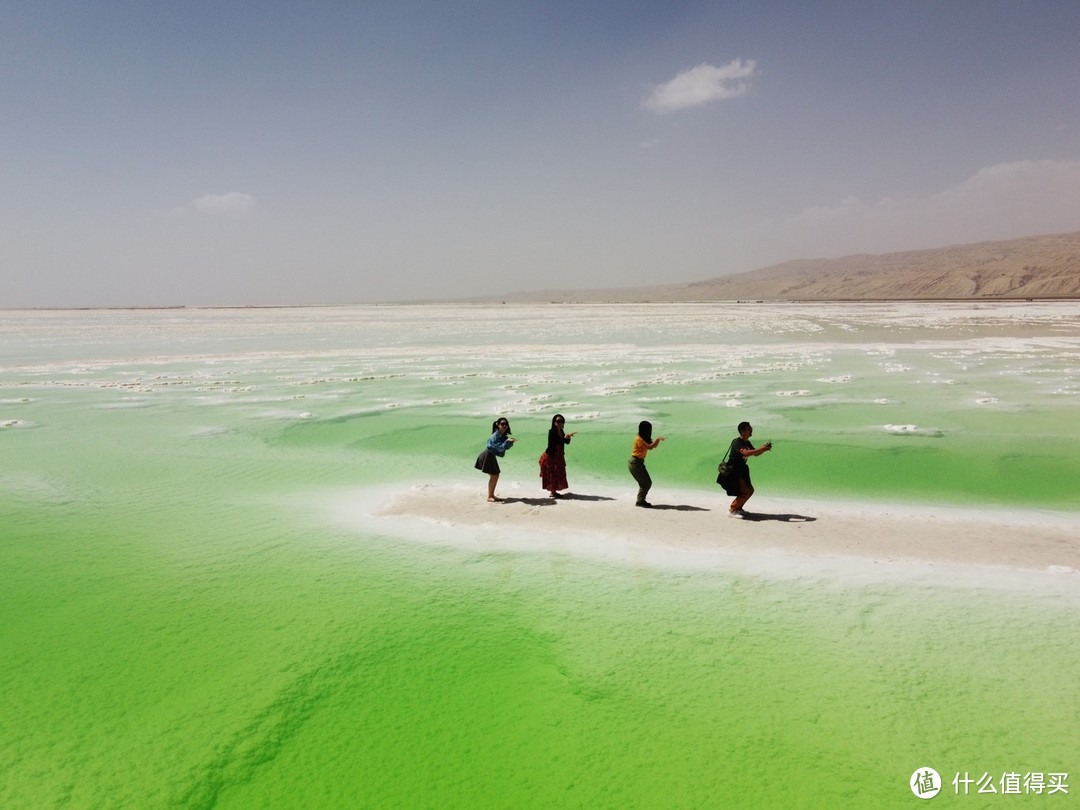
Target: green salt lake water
181,629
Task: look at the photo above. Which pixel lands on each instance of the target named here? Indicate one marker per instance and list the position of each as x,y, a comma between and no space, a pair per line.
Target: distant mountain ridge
1028,267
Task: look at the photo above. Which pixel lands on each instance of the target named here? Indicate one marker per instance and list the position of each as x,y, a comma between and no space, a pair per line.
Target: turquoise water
179,629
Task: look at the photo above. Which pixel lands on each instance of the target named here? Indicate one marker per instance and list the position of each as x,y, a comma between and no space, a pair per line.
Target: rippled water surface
179,629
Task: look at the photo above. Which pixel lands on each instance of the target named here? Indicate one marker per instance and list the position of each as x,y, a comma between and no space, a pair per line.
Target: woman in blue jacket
488,460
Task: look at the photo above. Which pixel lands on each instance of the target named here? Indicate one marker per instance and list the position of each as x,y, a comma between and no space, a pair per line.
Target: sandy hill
1028,267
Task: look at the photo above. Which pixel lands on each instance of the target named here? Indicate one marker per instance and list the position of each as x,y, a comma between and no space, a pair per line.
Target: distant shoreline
1024,269
568,302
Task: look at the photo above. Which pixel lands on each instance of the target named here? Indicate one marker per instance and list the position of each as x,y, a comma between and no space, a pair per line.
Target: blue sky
329,152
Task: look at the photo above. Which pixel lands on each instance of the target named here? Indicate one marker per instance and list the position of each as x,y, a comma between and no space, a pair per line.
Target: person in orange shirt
643,443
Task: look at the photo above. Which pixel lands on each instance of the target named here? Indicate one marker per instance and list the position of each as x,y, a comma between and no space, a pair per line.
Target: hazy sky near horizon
350,152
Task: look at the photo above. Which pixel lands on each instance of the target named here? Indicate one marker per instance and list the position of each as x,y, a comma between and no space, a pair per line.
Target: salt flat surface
840,541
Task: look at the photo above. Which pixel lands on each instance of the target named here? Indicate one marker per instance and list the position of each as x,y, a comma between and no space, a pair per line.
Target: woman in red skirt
553,461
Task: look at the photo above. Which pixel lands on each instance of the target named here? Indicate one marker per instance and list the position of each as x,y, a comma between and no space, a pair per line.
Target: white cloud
701,85
234,203
1020,198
